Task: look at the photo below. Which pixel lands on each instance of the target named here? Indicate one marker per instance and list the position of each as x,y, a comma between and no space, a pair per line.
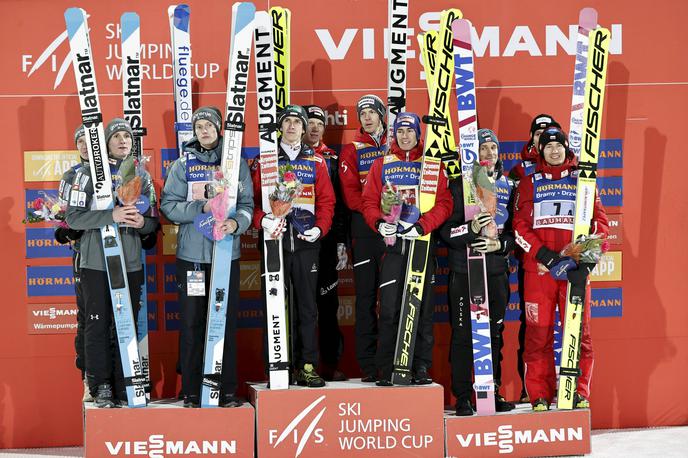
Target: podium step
349,418
166,429
520,432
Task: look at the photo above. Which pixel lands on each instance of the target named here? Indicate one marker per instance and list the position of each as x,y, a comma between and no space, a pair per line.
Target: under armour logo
314,268
94,317
345,167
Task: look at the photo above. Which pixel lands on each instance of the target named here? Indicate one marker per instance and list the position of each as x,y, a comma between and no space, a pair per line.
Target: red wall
641,358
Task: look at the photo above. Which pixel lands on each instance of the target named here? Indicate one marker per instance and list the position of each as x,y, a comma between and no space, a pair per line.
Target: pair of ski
103,199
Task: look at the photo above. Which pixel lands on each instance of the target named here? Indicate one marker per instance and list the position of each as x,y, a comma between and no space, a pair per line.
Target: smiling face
370,120
555,153
489,151
206,133
315,131
406,138
119,144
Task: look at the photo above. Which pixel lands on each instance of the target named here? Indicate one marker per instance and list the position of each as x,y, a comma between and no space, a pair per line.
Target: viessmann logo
158,447
506,437
294,431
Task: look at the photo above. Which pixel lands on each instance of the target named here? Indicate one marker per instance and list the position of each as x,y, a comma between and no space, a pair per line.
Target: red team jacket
324,193
531,238
351,179
430,220
529,158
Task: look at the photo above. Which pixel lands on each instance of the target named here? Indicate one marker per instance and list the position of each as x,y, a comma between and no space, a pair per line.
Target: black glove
547,257
148,241
578,278
65,235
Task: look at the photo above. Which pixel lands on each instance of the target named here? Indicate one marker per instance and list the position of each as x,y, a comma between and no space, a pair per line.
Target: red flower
289,176
604,246
219,175
37,204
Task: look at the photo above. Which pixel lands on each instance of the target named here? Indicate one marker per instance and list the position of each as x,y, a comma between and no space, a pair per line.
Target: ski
278,356
587,20
586,192
397,33
132,109
477,278
103,199
281,38
241,38
435,138
181,79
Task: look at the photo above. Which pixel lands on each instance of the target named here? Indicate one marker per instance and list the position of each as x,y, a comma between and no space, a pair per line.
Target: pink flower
289,176
604,246
219,175
37,204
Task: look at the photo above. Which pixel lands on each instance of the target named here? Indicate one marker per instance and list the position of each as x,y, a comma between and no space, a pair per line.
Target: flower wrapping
391,204
483,188
288,187
129,182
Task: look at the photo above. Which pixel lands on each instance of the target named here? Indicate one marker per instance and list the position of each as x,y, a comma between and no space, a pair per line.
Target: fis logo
300,436
49,55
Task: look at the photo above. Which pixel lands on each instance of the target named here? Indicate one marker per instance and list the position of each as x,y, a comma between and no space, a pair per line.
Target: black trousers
301,282
367,255
392,284
330,337
522,326
461,346
80,360
193,320
103,362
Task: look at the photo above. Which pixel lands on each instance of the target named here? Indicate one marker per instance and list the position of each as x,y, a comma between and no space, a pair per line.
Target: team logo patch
458,231
532,312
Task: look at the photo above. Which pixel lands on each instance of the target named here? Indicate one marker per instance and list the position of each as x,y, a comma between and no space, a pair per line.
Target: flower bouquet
218,194
391,204
47,208
587,249
483,188
129,182
287,188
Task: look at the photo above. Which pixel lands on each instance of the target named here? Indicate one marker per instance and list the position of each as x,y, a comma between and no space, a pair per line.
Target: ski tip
243,14
130,24
170,10
181,17
461,29
587,18
74,17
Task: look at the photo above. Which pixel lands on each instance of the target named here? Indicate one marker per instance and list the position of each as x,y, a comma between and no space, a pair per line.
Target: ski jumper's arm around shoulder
442,209
174,204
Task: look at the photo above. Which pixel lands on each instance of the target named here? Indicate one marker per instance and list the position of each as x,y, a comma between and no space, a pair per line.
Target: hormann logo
505,438
158,447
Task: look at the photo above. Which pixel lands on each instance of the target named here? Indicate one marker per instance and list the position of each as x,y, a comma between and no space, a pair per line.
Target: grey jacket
80,216
192,246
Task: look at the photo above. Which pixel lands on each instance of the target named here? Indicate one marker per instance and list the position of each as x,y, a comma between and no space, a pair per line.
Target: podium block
520,432
165,428
352,419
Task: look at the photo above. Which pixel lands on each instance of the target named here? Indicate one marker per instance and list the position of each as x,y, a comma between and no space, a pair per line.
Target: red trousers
542,294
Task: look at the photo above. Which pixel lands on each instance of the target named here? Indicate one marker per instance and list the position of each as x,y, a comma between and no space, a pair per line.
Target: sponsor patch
459,231
522,242
532,312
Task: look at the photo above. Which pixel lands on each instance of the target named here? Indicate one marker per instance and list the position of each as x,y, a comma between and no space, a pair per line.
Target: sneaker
502,405
384,382
540,405
463,408
339,376
580,402
369,379
308,377
421,377
103,398
87,393
524,399
229,400
192,402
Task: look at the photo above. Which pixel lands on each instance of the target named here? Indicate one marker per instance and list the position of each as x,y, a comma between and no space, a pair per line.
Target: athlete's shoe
540,405
502,405
103,398
464,408
308,377
580,402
